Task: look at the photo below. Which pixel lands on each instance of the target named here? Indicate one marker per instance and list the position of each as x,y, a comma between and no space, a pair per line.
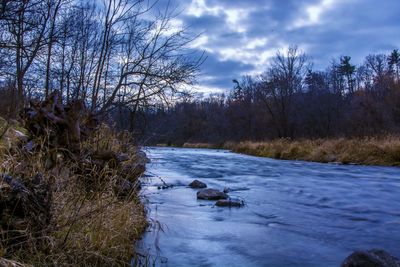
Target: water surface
296,214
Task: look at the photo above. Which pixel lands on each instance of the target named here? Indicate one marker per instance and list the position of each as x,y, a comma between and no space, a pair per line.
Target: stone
228,189
13,123
20,136
141,157
11,137
331,158
197,184
211,194
49,163
29,147
123,187
229,203
371,258
132,170
122,157
162,187
138,169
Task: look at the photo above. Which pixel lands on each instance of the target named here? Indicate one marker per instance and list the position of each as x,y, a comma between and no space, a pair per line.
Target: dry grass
91,225
201,145
367,151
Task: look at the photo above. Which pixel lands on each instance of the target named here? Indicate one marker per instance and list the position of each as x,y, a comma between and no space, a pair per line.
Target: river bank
69,190
381,151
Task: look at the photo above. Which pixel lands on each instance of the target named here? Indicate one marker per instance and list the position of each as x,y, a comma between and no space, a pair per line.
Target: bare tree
53,7
107,53
280,83
153,63
25,25
394,64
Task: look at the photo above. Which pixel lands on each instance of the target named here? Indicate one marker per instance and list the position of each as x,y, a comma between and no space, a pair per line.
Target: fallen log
65,126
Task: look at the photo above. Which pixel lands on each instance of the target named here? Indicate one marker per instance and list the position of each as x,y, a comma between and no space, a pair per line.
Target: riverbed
296,213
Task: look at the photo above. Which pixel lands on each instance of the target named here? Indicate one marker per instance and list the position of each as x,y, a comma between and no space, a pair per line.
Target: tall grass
91,224
367,151
202,145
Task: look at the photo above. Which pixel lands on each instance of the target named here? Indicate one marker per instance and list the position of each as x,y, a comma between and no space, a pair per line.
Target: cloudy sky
240,36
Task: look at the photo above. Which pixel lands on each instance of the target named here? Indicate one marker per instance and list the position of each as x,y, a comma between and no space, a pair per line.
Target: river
296,213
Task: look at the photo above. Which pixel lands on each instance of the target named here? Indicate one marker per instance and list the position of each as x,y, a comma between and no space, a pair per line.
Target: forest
289,100
107,54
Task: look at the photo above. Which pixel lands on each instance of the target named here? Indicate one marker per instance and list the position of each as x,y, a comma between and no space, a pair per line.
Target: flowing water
296,214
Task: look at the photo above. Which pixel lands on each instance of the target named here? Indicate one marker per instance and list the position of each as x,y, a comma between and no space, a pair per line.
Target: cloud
240,37
313,13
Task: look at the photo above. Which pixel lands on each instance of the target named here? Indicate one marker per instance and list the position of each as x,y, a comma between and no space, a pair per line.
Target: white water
296,213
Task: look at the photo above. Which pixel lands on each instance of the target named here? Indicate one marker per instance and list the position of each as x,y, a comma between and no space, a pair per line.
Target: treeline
105,53
289,100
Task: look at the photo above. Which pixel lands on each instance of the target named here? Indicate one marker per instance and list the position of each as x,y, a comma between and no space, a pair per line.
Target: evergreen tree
394,63
347,70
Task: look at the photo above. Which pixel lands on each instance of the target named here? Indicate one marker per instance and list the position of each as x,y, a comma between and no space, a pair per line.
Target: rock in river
197,184
231,202
211,194
371,258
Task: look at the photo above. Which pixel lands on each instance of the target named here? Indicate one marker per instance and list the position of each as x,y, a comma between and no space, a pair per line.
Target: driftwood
65,126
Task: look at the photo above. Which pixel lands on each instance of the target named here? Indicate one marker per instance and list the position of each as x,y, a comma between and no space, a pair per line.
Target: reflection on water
296,213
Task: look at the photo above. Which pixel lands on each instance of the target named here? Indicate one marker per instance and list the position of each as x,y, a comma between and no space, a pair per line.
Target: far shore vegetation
345,113
384,151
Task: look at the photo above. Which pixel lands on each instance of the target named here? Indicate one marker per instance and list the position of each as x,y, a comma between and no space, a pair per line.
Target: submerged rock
162,187
211,194
371,258
230,203
197,184
228,189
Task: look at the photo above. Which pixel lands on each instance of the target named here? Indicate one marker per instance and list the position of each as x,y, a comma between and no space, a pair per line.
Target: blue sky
240,36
